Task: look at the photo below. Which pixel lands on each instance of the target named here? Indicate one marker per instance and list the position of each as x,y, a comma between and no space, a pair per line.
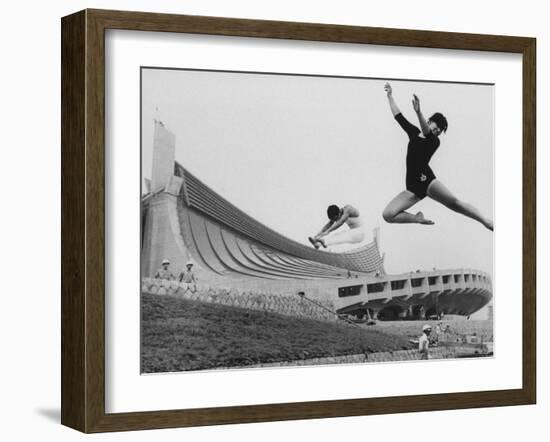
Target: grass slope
180,335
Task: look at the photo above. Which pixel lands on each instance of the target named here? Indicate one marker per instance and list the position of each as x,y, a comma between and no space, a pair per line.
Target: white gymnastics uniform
354,235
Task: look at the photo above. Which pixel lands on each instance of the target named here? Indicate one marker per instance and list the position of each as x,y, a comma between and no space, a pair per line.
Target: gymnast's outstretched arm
423,123
338,223
393,106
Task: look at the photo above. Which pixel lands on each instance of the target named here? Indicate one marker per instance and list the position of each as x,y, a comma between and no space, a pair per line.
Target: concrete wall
163,156
286,304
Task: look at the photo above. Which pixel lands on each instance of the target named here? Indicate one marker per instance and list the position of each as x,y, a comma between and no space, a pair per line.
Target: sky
282,148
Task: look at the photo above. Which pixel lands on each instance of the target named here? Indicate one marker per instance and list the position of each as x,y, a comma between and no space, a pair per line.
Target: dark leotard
419,153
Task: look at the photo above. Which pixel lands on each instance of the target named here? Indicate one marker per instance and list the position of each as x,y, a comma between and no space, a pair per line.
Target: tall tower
164,155
161,237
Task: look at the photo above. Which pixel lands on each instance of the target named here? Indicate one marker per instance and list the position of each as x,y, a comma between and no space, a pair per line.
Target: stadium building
184,220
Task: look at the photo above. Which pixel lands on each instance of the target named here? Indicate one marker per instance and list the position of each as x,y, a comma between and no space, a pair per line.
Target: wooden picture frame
83,220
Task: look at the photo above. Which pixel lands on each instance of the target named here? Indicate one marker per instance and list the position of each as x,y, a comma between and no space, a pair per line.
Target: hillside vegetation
180,335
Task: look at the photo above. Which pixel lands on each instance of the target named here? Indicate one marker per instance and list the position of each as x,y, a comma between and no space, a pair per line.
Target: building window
432,280
417,282
353,290
397,285
375,288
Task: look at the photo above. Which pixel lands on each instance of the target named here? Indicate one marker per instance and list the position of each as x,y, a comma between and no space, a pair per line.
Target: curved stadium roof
228,240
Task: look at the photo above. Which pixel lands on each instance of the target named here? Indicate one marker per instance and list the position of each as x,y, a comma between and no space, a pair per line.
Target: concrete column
436,302
158,239
490,312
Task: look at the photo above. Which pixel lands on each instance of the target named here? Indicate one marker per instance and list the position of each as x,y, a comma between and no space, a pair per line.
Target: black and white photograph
300,220
269,221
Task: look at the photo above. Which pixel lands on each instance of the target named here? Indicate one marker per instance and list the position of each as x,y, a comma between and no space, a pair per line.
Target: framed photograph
268,221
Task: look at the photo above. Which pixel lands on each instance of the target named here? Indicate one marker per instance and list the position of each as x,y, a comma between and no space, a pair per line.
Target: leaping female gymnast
420,180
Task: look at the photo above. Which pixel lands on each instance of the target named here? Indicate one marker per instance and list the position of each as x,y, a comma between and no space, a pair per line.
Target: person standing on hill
164,272
187,278
424,342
